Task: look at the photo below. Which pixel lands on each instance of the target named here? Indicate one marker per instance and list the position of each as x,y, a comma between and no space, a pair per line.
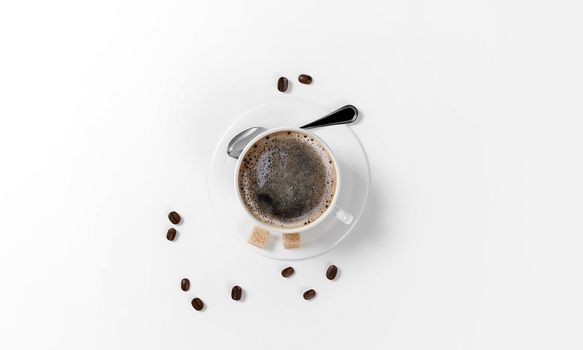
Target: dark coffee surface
287,179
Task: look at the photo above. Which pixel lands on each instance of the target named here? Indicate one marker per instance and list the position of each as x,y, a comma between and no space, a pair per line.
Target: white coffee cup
340,214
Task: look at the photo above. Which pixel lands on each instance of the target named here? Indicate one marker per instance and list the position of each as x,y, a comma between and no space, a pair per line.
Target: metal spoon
343,115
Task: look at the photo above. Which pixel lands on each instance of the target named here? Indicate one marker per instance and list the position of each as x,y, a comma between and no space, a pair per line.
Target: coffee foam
287,179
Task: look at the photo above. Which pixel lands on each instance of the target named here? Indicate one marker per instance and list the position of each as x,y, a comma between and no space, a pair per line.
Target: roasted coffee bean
197,304
288,271
309,294
282,84
185,284
331,272
174,217
236,293
171,234
305,79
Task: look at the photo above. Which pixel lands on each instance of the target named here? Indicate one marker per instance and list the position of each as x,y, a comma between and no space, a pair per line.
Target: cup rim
301,228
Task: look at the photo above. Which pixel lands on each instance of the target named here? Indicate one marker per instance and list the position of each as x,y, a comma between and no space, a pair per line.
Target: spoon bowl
239,142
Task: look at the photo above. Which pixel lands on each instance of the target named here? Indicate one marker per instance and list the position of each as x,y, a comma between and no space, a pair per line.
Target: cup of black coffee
287,180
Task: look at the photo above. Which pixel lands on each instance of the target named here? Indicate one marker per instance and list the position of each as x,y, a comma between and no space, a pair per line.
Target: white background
472,112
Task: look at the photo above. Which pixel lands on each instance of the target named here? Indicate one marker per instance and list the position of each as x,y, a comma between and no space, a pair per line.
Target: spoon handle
343,115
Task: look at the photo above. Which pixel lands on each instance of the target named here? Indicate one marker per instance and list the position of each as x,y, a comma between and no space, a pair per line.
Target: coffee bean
282,84
171,234
185,284
331,272
174,217
288,271
236,293
309,294
305,79
197,304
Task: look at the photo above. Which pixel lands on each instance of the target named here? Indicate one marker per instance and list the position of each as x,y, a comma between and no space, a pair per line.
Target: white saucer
351,160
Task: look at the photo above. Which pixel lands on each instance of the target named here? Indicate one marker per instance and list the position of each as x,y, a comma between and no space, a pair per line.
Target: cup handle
342,215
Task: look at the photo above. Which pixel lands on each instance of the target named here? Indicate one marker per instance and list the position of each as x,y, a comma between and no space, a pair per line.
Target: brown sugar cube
291,240
258,237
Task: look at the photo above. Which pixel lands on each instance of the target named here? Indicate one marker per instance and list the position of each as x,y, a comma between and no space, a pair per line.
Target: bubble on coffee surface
287,179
